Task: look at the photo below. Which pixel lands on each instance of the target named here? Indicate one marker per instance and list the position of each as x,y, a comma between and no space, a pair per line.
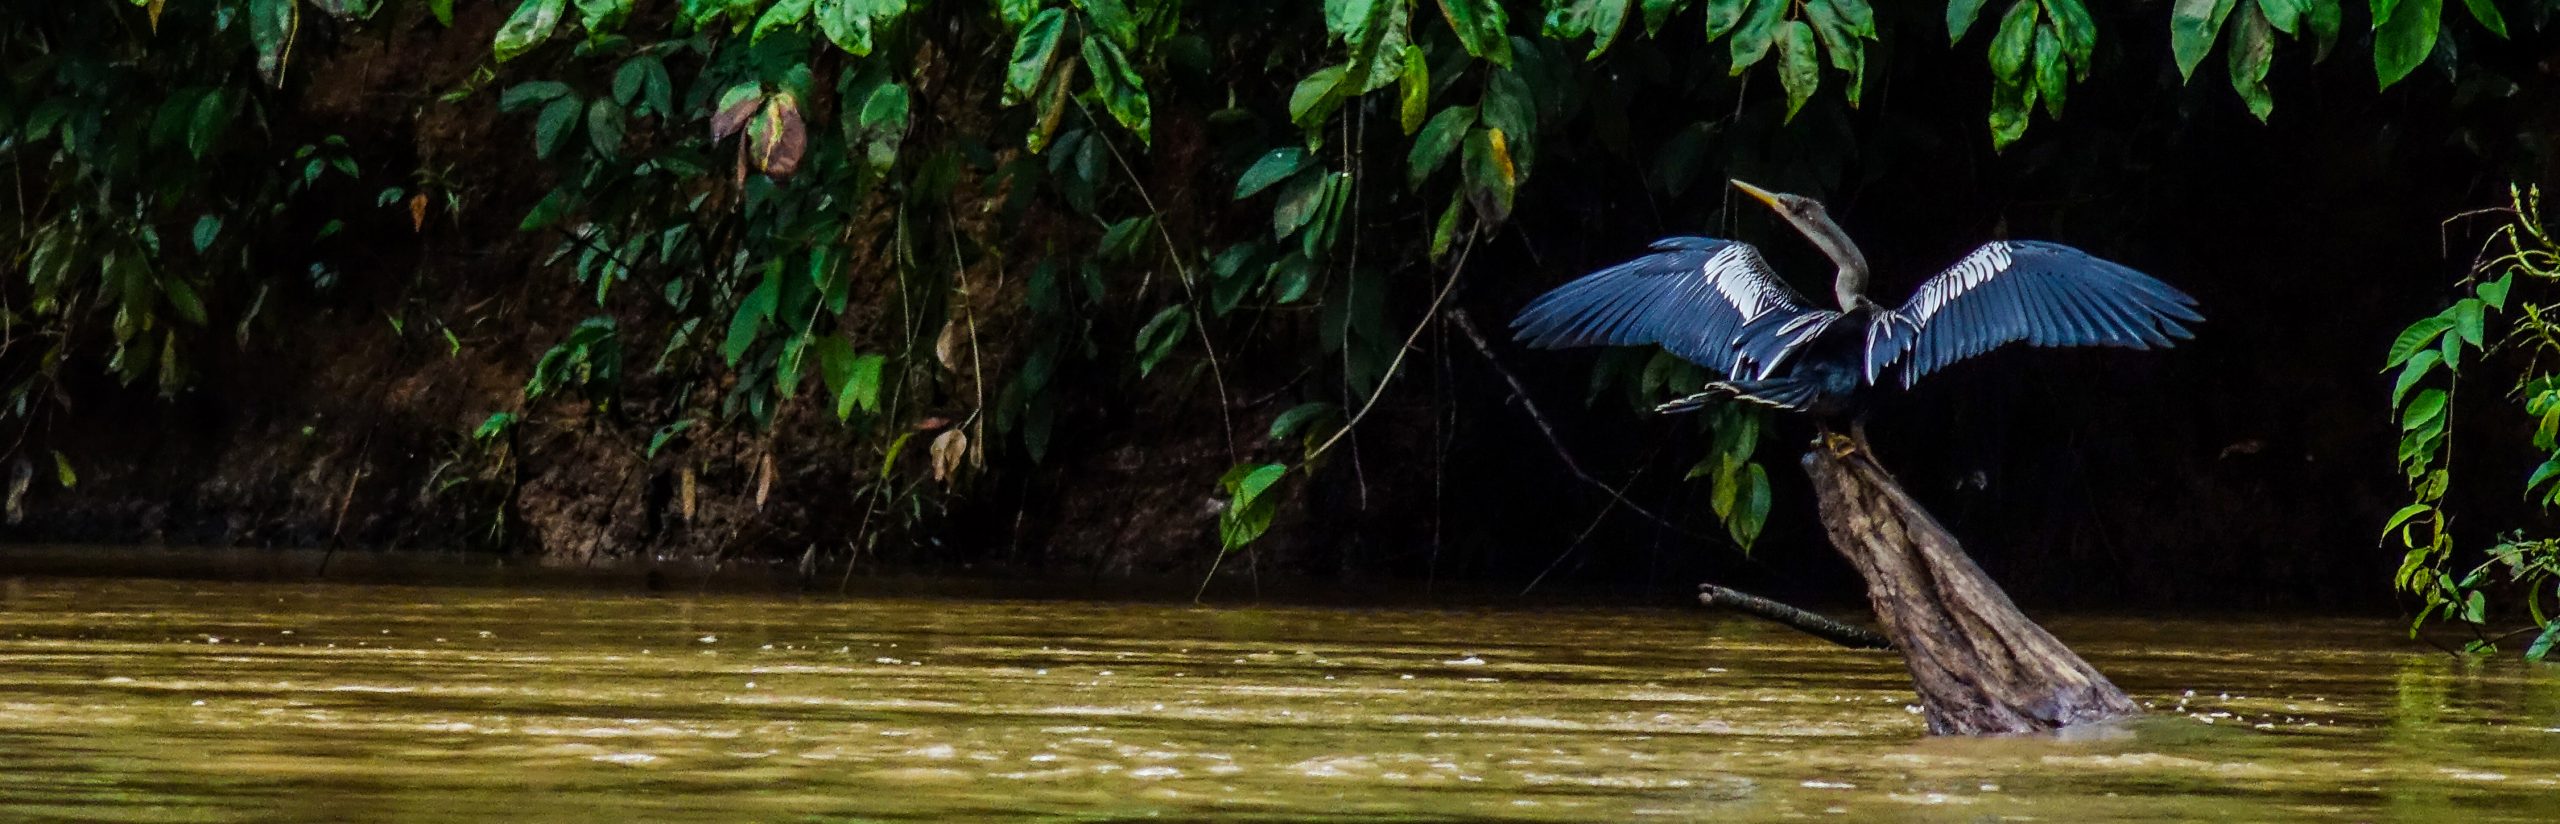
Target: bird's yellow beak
1763,195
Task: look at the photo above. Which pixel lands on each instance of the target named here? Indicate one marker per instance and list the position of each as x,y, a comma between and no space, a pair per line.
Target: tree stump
1980,666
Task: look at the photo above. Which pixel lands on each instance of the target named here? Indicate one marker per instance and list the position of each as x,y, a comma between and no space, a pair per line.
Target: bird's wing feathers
1693,296
2043,293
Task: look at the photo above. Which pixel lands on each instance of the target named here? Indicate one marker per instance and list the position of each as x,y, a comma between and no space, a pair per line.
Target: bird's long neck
1850,286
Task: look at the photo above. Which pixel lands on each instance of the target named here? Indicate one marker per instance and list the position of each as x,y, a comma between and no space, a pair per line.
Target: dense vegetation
943,230
2428,357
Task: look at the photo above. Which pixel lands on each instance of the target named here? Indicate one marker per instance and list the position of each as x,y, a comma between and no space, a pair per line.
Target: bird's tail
1793,393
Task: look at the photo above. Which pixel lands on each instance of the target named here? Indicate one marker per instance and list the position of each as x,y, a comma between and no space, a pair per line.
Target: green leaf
1491,178
2486,11
1291,275
2403,516
2015,43
1437,140
1444,232
601,16
854,379
2541,475
2193,26
1601,19
212,114
782,14
743,326
628,81
497,424
2253,46
2412,372
863,389
846,23
1414,90
208,228
524,95
273,25
1751,510
1157,338
1799,67
2323,18
604,128
2541,646
1841,39
546,211
182,297
2284,15
1300,202
1479,25
531,24
443,11
2494,292
1123,92
1297,418
2423,409
1274,166
2053,81
2079,32
2405,39
1658,12
62,472
667,433
2416,337
1751,40
1510,107
1724,15
552,128
1033,49
1960,17
1314,99
2470,317
1113,20
1249,507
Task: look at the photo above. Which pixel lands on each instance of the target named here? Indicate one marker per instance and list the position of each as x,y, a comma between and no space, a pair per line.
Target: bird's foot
1841,446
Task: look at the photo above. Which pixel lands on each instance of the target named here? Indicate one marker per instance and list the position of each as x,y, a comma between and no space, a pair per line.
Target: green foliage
2428,358
882,210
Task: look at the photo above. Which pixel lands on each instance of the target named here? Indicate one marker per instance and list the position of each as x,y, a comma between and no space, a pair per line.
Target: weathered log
1802,620
1980,666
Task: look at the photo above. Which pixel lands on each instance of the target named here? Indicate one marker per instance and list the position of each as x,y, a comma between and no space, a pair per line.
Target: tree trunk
1980,666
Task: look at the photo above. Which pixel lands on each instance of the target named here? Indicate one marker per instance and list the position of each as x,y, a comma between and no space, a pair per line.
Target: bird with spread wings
1717,303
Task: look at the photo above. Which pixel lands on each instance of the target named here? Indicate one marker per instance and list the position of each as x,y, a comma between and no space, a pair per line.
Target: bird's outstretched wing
1692,295
2045,294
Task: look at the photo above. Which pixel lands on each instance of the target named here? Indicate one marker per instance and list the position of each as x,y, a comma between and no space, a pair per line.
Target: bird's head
1806,213
1815,223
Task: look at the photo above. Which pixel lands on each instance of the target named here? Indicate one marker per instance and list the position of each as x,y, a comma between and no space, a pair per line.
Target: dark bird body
1716,303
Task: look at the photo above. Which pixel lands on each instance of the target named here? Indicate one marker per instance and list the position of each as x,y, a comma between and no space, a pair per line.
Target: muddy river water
151,701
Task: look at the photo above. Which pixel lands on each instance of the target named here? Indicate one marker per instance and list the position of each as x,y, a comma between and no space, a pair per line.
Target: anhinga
1716,303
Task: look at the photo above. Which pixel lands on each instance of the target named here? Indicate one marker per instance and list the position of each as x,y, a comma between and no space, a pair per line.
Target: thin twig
1456,271
1521,390
1803,620
1172,252
1597,518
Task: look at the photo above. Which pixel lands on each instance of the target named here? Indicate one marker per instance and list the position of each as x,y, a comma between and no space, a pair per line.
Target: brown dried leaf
764,481
733,114
155,14
418,212
778,137
948,347
685,494
949,449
